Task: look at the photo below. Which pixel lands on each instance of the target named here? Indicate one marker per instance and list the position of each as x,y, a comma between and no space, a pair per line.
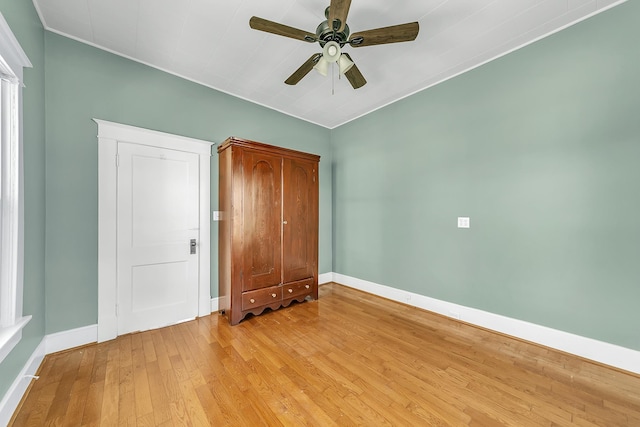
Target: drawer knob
290,291
306,286
273,295
252,300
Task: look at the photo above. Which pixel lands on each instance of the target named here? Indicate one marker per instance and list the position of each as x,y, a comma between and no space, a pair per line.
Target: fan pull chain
333,74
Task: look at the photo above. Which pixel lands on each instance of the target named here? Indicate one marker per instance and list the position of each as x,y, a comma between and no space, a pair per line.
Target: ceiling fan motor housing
325,34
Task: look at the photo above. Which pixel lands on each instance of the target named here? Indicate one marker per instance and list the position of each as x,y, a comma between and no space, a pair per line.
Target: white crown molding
588,348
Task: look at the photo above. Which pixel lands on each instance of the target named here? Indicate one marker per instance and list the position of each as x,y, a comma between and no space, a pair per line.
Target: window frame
12,61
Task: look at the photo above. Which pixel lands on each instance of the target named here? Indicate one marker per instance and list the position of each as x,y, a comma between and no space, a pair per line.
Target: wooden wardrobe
268,230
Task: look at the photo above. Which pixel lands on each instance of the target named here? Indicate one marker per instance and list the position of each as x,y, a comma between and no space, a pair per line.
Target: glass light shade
344,64
322,66
331,51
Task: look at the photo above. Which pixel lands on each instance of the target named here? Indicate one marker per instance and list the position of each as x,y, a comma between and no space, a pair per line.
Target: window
12,60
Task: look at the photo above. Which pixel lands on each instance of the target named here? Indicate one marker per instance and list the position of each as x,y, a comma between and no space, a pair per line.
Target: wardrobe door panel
300,215
262,220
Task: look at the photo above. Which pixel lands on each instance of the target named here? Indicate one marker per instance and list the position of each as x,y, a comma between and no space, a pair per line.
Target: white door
157,231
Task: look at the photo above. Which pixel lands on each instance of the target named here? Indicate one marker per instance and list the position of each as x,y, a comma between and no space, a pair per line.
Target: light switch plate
463,222
216,216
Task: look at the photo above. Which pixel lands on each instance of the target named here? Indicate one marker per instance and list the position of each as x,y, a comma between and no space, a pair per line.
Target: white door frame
109,134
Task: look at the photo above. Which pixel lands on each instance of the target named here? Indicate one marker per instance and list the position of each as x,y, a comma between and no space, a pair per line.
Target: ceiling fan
332,35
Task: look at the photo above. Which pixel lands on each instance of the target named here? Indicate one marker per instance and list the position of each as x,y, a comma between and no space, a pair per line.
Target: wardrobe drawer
260,297
296,289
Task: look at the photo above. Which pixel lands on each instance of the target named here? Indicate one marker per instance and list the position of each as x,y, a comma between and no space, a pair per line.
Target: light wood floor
347,359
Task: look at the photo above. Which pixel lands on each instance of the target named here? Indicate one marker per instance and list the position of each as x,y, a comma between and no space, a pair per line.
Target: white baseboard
325,278
215,304
12,397
72,338
599,351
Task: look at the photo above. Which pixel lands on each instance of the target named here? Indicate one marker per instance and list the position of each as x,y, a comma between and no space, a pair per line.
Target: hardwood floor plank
210,405
226,395
125,351
93,405
159,397
46,394
141,388
179,415
187,409
60,402
80,387
164,363
126,403
349,358
148,347
146,421
111,400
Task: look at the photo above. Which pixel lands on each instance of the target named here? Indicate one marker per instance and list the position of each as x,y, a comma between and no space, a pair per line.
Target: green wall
25,25
541,150
84,83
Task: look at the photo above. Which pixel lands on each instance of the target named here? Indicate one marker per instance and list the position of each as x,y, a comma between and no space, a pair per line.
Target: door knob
193,246
284,222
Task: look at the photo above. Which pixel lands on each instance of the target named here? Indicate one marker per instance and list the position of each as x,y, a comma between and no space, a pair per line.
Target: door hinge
117,160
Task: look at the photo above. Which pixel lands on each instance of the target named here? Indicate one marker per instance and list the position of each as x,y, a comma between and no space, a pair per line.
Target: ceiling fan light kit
322,67
331,51
344,63
333,35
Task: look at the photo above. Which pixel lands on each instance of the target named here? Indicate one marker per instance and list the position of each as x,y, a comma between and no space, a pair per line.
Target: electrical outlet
464,222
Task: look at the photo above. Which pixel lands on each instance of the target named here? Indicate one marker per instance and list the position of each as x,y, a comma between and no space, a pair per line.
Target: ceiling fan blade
338,10
303,70
354,75
281,30
393,34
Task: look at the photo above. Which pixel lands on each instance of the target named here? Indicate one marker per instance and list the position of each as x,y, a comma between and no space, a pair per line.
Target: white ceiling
210,42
